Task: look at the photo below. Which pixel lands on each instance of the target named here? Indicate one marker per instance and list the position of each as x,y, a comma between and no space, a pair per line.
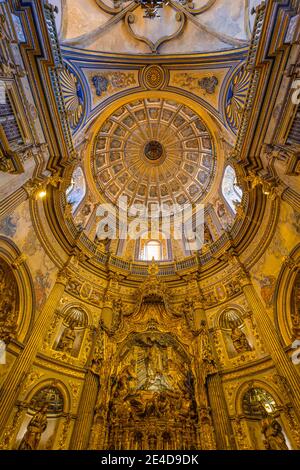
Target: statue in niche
35,429
66,342
240,342
274,437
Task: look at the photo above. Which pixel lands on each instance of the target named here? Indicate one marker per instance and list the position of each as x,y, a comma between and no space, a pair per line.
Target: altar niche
152,397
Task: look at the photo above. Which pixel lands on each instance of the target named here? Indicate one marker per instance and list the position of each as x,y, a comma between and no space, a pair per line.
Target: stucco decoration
235,98
105,83
182,27
73,95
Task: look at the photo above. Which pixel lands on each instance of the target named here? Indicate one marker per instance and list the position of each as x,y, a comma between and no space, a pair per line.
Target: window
152,250
77,189
231,191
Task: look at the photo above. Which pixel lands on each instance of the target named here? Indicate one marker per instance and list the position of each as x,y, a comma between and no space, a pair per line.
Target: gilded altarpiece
152,392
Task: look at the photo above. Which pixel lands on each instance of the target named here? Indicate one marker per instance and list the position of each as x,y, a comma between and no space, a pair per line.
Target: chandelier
151,7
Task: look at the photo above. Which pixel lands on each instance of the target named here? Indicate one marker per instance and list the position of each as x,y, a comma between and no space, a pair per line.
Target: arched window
152,249
230,190
77,189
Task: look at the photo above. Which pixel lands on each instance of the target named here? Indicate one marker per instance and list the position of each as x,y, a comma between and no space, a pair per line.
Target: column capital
63,276
244,278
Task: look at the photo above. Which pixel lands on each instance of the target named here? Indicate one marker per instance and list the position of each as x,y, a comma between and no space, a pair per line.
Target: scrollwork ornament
65,431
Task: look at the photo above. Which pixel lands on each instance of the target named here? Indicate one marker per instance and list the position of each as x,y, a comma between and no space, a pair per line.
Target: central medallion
153,150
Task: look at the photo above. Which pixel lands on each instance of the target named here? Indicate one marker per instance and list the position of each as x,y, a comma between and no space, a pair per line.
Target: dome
154,151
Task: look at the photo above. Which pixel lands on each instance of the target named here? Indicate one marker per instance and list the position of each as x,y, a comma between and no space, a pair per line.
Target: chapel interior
110,341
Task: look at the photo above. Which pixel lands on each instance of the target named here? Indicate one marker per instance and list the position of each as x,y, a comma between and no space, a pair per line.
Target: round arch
54,383
283,295
254,384
10,253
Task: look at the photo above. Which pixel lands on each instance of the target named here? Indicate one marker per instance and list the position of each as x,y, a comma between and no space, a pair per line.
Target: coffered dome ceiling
154,151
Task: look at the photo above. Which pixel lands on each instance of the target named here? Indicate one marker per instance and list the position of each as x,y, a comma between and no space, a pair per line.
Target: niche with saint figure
235,333
266,426
40,424
71,332
9,303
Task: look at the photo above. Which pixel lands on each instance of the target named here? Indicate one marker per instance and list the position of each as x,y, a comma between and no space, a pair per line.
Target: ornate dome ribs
154,151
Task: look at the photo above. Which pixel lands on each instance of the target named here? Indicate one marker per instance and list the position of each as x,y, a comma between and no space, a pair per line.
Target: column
222,425
84,421
9,204
269,335
10,388
292,198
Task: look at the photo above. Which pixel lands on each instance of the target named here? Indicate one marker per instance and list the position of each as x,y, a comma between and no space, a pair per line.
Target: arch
10,254
231,192
52,383
71,332
241,312
76,313
254,399
230,318
283,296
241,391
76,192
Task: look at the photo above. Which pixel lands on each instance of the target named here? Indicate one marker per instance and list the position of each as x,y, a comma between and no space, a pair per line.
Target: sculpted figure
66,342
35,429
126,378
274,437
240,341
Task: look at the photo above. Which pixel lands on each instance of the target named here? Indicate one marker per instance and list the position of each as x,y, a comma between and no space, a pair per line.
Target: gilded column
87,410
292,198
223,429
282,362
217,402
84,420
10,388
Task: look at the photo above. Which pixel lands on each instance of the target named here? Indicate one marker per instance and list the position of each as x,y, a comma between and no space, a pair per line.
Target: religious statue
35,429
117,315
98,355
274,437
66,342
126,378
188,311
208,365
240,341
